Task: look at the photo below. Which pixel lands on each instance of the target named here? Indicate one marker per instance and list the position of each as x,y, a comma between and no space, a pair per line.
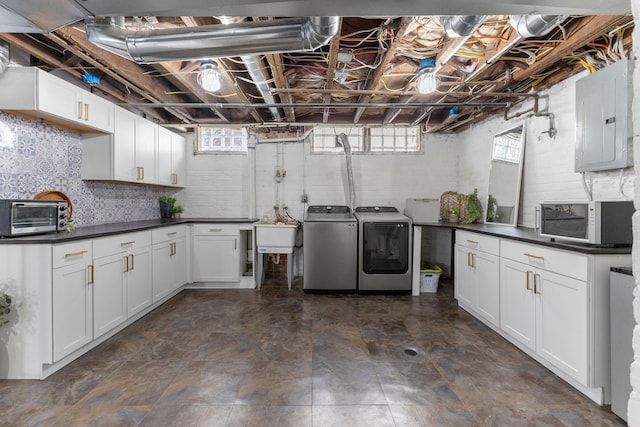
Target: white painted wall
549,162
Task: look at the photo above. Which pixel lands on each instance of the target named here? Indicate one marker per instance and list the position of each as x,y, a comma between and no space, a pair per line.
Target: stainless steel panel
330,256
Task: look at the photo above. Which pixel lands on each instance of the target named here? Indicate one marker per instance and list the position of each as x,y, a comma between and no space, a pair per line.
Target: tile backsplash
36,157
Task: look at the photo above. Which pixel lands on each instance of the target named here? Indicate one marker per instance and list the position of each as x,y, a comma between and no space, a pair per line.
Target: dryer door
385,247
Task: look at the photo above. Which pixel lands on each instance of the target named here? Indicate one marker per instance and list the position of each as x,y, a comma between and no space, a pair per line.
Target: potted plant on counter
177,211
454,211
166,206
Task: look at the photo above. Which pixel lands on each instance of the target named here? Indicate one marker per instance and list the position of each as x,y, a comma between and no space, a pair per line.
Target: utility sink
273,236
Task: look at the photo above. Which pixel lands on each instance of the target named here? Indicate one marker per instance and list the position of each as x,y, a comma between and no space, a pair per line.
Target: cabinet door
563,323
146,151
178,161
487,286
162,270
124,150
72,309
109,293
139,287
216,259
518,302
464,276
178,264
165,176
97,112
59,97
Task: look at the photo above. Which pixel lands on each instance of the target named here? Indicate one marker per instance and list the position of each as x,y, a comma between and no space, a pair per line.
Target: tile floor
279,358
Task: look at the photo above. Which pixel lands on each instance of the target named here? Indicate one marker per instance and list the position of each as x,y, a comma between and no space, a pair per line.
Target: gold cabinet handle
473,260
173,233
131,242
126,264
536,284
86,112
79,110
91,271
533,256
468,259
529,274
142,172
132,258
215,230
235,244
72,254
473,242
175,248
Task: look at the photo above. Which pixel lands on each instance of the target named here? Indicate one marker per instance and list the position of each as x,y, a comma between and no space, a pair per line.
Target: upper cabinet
36,93
171,158
139,151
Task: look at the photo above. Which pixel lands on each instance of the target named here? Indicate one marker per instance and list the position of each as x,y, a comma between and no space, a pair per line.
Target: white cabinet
72,297
548,311
129,154
122,278
37,93
216,253
169,260
171,158
477,274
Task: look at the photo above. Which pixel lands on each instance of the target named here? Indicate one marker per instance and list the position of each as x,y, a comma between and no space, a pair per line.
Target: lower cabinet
72,297
169,260
545,311
216,253
477,274
122,279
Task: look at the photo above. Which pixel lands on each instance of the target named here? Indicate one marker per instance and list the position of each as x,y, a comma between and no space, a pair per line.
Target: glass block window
395,139
324,139
221,139
507,148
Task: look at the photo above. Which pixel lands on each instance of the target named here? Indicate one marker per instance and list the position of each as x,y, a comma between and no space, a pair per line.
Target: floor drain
410,352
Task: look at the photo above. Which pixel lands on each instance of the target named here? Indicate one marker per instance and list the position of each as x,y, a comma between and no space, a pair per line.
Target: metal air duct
462,25
535,25
4,56
257,72
212,41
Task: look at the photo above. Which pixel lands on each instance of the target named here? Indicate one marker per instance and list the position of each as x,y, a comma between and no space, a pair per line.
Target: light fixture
209,77
427,81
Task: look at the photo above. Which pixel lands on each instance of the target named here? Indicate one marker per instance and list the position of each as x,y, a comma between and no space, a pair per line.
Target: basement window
507,148
394,139
324,139
221,140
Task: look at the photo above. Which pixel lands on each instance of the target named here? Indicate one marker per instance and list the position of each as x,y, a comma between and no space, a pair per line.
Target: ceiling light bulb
209,77
427,81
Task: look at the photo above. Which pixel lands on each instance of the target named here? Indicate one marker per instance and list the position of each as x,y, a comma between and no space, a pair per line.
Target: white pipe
251,146
586,187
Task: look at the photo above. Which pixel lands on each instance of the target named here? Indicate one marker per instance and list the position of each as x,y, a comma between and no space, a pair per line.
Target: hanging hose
344,140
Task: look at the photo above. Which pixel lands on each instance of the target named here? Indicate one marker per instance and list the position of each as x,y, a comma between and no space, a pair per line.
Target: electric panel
603,123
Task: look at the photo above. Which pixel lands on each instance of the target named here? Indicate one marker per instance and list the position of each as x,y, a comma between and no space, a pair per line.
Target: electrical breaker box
603,119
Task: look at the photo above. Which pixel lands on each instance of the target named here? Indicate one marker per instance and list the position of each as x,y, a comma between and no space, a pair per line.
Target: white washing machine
384,250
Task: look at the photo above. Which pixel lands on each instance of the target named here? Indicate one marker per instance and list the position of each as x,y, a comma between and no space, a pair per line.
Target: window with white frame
211,139
394,139
324,139
507,147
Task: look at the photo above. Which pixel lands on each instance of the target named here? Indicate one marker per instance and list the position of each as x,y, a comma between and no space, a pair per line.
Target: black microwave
595,223
24,217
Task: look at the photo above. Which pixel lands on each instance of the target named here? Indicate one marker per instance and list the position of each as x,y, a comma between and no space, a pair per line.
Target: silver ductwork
535,25
462,25
212,41
258,74
4,56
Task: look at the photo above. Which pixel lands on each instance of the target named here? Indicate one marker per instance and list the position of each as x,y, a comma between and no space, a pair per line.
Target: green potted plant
474,208
5,308
177,211
454,211
166,206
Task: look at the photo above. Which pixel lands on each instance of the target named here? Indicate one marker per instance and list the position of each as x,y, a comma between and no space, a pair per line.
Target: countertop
529,235
94,231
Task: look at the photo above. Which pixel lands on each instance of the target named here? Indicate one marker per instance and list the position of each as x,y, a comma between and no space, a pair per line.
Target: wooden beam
334,47
120,69
374,80
277,71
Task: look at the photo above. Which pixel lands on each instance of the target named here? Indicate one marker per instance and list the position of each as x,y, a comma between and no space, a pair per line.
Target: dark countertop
622,270
94,231
529,235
